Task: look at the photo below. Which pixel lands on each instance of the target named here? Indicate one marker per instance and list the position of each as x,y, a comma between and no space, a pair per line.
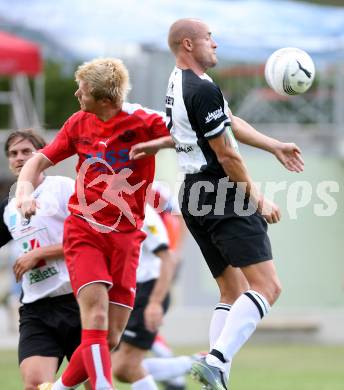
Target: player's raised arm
150,148
27,182
288,154
233,164
235,168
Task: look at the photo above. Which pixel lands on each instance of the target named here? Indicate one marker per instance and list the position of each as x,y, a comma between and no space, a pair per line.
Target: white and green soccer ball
289,71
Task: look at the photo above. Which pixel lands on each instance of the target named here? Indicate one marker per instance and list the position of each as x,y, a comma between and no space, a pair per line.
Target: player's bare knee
33,376
277,289
30,386
270,289
232,283
122,377
98,319
121,369
117,369
273,291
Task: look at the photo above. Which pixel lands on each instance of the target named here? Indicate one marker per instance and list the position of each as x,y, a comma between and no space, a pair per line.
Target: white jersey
196,111
157,239
50,277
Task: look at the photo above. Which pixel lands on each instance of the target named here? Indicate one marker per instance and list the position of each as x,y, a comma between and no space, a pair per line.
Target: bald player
223,209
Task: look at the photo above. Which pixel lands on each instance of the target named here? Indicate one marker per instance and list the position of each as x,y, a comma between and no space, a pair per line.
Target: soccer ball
289,71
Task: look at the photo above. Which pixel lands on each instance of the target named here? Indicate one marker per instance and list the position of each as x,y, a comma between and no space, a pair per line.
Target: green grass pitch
256,367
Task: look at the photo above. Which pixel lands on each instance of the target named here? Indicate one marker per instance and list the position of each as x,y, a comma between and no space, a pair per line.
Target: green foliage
4,109
235,83
60,101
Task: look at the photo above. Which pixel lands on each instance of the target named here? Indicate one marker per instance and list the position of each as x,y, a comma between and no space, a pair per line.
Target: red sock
75,373
90,360
96,358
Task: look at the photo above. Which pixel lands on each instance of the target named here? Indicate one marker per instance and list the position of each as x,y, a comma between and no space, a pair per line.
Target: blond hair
107,78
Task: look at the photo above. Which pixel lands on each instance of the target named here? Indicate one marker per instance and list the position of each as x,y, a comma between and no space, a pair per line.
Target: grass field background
272,367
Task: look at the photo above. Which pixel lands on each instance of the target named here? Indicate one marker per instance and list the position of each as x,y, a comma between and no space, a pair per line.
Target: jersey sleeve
157,238
61,146
208,106
5,235
156,123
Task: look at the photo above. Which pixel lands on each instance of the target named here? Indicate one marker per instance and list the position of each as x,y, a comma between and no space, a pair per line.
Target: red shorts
111,258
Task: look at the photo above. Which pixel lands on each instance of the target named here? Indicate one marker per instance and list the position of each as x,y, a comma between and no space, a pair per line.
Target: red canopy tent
20,59
18,55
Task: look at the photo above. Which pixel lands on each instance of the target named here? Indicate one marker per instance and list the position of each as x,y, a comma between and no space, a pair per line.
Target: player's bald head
181,29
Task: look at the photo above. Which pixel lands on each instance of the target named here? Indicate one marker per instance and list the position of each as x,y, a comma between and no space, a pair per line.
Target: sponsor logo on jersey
112,157
214,115
127,136
169,101
184,149
38,275
26,229
29,246
25,221
104,142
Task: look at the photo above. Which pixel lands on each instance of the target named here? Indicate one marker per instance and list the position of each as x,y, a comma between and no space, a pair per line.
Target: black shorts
215,216
49,327
135,332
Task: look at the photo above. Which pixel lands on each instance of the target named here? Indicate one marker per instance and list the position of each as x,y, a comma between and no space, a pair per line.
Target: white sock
146,383
163,369
58,385
217,322
160,349
179,381
241,322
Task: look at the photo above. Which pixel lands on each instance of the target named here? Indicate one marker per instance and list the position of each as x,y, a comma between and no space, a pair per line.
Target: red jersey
110,188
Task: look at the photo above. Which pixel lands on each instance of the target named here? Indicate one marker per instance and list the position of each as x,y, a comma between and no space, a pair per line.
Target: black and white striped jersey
196,112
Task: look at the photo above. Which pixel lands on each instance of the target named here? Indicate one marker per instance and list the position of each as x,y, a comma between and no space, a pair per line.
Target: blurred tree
4,108
60,101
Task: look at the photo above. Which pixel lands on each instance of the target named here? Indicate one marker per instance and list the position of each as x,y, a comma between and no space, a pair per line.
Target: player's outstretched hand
25,262
269,210
150,148
289,155
27,206
143,149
